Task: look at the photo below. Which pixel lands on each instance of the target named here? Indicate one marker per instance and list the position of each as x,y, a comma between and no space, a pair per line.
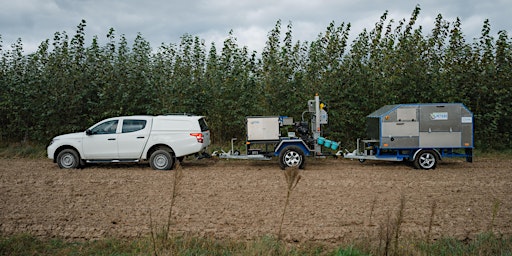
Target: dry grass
495,209
431,220
292,177
160,239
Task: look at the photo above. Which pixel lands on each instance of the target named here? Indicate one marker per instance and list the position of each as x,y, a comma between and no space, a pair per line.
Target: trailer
421,134
265,138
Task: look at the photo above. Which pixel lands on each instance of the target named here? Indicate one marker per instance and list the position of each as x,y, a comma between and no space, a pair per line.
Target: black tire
291,156
68,159
426,160
469,152
161,160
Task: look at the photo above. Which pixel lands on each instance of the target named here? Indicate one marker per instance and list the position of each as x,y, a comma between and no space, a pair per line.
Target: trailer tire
291,156
426,160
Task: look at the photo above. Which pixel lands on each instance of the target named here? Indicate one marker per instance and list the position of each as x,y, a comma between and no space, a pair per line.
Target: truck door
133,137
101,143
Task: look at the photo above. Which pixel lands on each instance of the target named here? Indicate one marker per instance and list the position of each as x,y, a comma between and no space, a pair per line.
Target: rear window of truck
203,125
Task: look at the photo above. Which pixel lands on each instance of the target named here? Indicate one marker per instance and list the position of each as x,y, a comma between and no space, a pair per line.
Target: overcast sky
165,21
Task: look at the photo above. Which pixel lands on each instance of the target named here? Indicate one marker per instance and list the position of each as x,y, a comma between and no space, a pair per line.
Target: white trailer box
263,128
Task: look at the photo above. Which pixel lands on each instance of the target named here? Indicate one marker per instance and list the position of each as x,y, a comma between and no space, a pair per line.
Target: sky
165,21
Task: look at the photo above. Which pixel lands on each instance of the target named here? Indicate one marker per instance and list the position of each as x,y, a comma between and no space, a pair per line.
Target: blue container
334,145
327,143
320,140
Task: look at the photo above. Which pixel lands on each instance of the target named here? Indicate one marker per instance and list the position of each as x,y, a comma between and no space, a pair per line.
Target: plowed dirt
336,201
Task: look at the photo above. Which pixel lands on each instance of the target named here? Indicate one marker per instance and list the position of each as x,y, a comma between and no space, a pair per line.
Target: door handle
112,139
140,137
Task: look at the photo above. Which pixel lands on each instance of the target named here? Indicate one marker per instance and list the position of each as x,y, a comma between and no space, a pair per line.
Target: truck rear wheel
291,156
161,160
426,159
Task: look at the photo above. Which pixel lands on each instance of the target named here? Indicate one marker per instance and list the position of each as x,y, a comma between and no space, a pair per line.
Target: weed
399,220
389,231
22,150
292,177
25,244
160,240
495,210
431,220
372,208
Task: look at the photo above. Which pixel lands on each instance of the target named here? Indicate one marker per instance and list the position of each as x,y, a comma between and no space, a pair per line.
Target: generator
420,133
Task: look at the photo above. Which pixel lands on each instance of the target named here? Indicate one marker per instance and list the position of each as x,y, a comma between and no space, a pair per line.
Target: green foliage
24,244
22,150
483,244
66,86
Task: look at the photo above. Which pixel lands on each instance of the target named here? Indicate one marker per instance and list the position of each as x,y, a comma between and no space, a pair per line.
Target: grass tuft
26,244
292,177
22,150
160,242
431,220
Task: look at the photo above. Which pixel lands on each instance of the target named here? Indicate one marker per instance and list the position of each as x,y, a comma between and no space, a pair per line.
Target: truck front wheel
291,156
426,159
161,160
68,159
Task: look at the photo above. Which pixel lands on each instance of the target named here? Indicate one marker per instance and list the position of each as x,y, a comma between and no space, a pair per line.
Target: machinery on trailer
420,133
264,138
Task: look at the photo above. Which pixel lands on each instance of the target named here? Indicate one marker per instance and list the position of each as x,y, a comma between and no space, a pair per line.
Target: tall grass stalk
178,176
431,220
399,220
152,235
495,210
161,241
390,230
292,177
372,209
385,234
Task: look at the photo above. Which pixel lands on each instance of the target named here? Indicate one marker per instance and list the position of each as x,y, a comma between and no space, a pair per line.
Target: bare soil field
336,201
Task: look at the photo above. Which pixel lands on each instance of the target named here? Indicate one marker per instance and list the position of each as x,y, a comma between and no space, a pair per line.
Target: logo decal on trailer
439,116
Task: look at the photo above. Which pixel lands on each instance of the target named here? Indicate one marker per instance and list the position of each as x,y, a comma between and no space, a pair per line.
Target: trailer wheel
426,160
291,156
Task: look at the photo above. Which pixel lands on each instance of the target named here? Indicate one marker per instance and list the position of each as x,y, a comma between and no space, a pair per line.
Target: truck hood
76,135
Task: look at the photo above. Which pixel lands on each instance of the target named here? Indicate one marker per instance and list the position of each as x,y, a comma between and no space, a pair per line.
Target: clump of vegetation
22,149
160,237
24,244
292,177
431,220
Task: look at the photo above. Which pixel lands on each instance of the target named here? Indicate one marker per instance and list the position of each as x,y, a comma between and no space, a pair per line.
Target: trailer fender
298,143
426,159
420,149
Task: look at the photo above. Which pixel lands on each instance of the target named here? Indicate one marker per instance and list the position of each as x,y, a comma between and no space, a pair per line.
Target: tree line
66,85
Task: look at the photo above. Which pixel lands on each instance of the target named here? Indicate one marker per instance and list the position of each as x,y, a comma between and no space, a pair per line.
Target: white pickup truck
161,140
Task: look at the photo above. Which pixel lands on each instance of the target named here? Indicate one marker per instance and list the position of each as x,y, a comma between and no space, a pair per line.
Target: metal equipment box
263,128
433,125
